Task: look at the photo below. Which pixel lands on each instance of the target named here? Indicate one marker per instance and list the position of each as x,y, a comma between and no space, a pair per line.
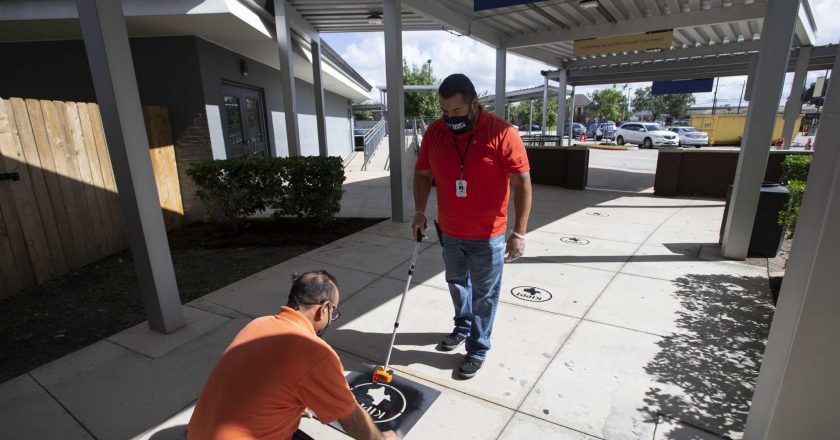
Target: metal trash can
767,233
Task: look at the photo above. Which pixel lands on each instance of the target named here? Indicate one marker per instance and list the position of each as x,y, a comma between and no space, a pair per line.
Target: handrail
373,138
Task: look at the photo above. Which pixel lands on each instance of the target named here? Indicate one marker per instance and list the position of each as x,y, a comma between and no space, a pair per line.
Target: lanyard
463,157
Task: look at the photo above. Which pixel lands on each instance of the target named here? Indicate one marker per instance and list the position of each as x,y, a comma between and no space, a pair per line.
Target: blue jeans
474,275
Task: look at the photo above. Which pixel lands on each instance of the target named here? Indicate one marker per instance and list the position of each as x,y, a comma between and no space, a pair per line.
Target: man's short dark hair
457,83
312,288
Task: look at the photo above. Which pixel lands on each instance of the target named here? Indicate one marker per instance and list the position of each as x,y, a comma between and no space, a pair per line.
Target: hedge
235,189
794,175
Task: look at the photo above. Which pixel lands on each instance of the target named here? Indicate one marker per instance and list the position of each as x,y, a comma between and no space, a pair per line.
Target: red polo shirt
495,151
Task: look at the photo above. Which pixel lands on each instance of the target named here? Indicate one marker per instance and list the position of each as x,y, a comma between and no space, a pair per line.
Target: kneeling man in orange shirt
276,368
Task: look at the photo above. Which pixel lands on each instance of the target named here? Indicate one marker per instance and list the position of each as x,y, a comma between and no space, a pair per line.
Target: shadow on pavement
724,323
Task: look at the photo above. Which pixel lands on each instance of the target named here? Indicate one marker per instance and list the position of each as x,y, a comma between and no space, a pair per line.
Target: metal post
401,171
571,116
761,116
112,69
501,75
797,388
318,86
530,114
287,75
545,105
794,102
714,99
741,97
561,105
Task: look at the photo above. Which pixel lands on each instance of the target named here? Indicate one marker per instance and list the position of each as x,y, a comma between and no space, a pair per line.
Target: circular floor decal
528,293
382,401
574,240
597,214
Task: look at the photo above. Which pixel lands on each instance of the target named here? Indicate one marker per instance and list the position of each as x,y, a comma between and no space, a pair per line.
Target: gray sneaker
469,367
451,342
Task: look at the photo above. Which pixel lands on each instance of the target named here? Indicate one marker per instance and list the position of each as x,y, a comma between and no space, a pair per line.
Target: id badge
460,188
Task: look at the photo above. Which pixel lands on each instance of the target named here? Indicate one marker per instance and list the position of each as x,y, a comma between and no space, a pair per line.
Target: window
244,121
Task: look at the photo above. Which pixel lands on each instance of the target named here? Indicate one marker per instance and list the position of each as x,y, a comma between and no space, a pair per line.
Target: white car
646,134
691,136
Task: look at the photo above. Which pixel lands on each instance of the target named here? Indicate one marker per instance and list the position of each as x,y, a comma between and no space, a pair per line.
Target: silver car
690,136
645,134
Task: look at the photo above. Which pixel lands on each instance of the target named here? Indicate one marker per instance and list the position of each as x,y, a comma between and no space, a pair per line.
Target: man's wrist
517,234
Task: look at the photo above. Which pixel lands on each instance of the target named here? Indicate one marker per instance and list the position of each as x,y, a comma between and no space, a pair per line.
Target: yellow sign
624,43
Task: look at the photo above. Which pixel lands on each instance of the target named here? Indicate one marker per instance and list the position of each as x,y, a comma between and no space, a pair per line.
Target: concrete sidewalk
648,333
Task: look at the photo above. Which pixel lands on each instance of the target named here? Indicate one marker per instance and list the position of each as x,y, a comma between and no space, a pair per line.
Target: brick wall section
191,147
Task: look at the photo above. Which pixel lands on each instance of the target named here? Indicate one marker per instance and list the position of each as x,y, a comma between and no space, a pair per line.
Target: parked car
359,138
690,136
607,131
647,135
534,127
578,129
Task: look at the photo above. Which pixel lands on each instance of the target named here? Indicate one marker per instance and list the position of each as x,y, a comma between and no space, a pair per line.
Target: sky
460,54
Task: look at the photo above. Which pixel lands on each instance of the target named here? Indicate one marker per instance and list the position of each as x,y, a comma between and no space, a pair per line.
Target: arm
521,201
422,188
522,206
358,425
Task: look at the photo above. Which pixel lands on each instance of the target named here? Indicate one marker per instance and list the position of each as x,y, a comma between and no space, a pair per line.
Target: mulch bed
63,315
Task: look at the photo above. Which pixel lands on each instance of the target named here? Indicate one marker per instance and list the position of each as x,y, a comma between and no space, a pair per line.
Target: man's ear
320,312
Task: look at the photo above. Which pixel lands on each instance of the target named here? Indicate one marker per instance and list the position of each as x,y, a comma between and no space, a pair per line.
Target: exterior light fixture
375,18
243,67
589,4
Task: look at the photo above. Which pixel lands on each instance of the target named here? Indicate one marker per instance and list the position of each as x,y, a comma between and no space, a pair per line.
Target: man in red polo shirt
276,368
474,157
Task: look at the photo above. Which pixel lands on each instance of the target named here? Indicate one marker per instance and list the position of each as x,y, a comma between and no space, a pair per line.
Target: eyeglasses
335,313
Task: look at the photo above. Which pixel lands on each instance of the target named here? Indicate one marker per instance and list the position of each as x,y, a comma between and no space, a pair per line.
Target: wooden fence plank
13,227
8,267
53,181
176,206
23,196
108,174
95,230
111,240
39,184
74,202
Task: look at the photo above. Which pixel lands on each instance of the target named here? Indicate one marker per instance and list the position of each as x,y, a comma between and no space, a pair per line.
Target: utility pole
741,97
714,100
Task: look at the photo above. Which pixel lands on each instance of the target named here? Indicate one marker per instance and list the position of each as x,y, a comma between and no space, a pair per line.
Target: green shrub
794,175
235,189
314,188
795,167
789,217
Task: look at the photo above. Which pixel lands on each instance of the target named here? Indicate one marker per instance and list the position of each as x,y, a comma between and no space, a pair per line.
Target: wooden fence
63,212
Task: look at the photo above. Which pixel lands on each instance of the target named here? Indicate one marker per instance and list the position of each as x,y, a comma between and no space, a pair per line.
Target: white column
112,69
571,116
287,75
561,105
318,86
796,394
530,114
767,83
401,162
794,102
501,75
545,104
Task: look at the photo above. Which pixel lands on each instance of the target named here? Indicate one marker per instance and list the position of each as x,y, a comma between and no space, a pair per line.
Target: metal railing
542,140
373,138
416,128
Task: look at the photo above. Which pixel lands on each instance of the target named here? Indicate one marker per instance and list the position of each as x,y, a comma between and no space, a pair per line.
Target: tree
420,103
522,111
675,105
608,103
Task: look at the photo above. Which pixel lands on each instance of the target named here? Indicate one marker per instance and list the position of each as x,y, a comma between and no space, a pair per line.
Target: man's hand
390,435
515,248
419,224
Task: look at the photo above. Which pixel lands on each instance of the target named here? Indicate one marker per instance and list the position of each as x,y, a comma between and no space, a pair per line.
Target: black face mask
459,124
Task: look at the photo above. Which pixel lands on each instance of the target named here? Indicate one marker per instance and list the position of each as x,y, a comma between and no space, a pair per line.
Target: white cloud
827,16
449,54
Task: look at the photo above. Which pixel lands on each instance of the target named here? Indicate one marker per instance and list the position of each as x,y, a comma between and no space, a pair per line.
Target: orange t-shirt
496,151
274,369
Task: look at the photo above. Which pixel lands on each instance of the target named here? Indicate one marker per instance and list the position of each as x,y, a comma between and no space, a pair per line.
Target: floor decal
529,293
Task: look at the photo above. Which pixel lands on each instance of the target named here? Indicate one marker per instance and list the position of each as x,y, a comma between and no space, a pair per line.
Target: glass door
244,121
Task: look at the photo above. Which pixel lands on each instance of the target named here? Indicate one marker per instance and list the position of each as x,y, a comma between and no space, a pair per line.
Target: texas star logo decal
382,401
529,293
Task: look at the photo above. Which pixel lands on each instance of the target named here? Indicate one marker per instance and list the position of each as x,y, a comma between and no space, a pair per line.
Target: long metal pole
571,116
714,100
741,97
